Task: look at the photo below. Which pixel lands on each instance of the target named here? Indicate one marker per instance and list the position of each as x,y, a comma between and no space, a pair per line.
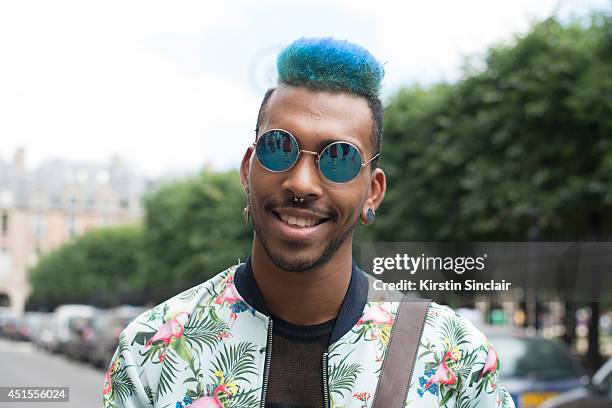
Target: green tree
519,149
99,267
193,230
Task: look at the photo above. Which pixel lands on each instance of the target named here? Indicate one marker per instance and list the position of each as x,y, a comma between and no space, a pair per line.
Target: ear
245,167
376,193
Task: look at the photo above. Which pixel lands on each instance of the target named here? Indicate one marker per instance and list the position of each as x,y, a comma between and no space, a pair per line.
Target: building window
72,225
5,264
39,226
5,224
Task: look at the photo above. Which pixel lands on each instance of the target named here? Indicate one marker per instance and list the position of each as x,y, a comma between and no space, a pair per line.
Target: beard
288,262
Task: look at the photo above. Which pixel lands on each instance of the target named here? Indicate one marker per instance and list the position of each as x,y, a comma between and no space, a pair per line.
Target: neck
304,298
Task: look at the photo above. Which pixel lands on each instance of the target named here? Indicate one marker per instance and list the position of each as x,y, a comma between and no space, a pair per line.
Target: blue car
534,369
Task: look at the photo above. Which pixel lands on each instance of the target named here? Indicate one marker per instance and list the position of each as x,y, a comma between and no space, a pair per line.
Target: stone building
43,208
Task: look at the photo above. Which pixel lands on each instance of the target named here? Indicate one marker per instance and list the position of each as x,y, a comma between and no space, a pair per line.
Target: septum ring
297,199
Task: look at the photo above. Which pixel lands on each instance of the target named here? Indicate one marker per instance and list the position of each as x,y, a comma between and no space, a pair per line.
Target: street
23,365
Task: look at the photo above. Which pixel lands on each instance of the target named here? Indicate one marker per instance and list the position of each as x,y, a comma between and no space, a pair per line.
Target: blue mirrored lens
340,162
276,150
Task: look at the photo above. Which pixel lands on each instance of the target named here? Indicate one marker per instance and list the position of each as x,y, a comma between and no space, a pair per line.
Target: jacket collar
350,311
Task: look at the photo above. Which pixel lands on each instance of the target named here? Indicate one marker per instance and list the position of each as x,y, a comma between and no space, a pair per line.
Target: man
292,327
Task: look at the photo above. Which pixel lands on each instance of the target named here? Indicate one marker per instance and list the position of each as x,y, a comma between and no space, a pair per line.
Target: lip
300,213
296,233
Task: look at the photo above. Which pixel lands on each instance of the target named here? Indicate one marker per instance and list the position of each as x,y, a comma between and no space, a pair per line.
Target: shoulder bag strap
394,380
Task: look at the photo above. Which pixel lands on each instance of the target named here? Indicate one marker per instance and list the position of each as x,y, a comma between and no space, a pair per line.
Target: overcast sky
170,86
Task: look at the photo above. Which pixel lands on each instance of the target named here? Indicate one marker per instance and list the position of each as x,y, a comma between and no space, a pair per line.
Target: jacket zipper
325,385
268,361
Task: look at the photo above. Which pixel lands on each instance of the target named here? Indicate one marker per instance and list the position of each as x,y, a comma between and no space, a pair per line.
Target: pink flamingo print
490,365
108,384
211,402
169,330
230,295
373,317
376,315
443,373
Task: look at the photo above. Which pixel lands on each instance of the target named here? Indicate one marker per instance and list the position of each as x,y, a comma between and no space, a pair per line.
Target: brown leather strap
394,380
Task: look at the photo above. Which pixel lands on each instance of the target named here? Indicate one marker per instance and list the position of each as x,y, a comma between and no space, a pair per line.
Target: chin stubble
285,262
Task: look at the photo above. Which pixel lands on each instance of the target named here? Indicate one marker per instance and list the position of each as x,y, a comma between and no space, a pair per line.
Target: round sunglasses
278,150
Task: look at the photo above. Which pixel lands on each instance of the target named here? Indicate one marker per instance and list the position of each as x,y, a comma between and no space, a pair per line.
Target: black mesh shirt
295,379
296,366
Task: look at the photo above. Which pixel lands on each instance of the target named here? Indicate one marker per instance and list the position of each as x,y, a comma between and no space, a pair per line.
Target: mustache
289,204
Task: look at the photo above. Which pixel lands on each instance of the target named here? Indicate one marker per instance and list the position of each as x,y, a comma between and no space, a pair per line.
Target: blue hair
330,65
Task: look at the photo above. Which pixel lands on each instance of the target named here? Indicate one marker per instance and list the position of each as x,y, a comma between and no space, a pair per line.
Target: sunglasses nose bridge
315,154
302,179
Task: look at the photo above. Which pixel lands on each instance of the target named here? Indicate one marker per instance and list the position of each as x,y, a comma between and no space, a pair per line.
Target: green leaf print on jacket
232,365
205,330
117,384
342,375
458,372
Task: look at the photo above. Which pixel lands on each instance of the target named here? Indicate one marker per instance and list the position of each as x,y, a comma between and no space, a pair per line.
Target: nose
303,179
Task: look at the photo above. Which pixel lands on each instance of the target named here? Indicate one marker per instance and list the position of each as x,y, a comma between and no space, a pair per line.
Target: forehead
315,116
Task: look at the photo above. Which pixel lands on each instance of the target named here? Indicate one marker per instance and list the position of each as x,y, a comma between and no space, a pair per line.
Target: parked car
105,334
6,315
45,338
63,324
597,394
9,327
534,369
80,336
30,325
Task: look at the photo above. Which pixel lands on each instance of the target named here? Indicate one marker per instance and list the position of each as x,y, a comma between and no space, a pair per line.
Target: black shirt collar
350,310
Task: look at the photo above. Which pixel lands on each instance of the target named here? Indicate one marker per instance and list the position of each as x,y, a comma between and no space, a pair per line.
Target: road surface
23,365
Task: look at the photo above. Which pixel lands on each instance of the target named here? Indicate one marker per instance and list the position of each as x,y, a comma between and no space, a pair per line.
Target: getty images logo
412,264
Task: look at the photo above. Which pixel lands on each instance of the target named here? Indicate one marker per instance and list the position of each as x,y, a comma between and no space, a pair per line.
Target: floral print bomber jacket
208,347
